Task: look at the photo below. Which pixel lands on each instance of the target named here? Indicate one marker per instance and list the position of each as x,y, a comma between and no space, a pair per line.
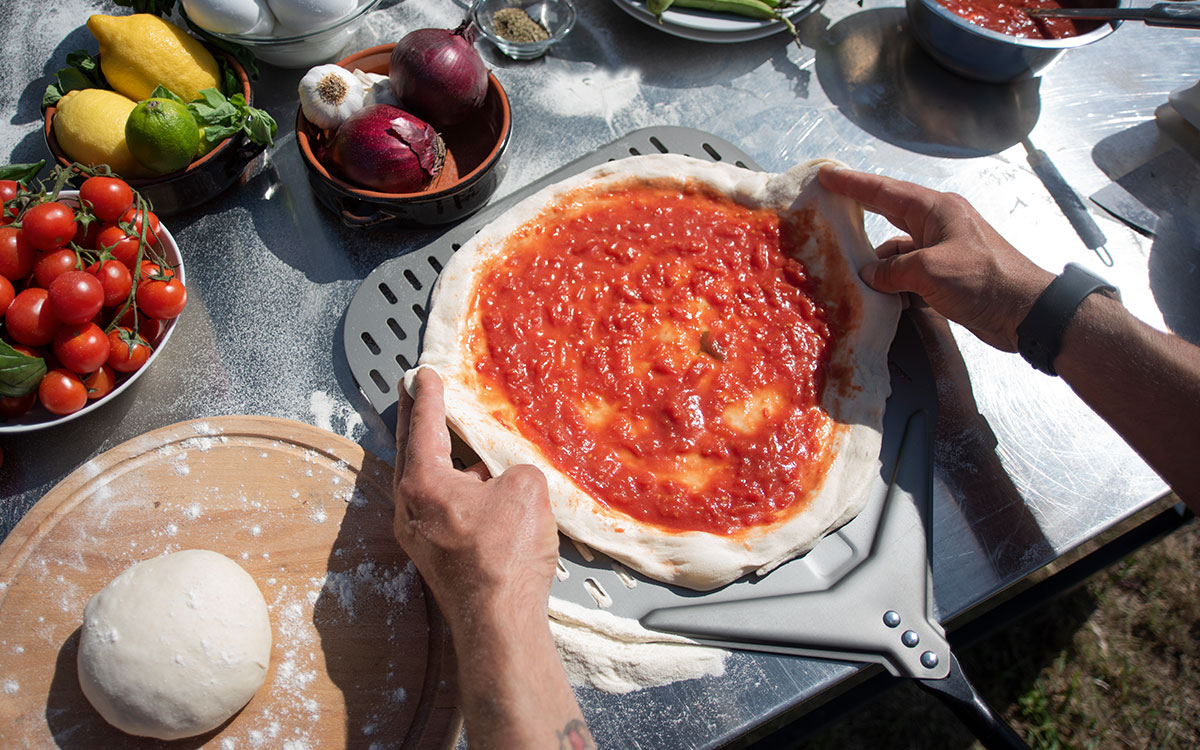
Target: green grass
1113,664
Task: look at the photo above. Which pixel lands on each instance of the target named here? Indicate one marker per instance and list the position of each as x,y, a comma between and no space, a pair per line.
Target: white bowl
302,50
38,417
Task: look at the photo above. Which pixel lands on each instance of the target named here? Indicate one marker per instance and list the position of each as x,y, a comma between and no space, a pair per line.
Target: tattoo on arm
575,736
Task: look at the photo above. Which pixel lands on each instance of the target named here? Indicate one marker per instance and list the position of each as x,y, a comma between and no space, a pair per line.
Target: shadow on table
382,636
990,502
879,77
1157,184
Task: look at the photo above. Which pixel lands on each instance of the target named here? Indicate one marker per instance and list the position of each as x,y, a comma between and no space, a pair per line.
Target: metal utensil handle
960,696
1182,15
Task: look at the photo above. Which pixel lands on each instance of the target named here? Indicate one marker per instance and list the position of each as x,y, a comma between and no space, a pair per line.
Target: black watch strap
1039,336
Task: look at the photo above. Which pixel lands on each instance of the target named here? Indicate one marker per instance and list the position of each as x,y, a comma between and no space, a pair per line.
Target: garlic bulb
377,89
329,94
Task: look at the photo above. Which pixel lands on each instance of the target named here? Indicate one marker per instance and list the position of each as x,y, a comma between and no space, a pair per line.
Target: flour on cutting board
617,655
288,711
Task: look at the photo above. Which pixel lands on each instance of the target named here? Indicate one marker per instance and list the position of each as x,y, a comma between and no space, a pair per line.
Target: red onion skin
384,148
438,75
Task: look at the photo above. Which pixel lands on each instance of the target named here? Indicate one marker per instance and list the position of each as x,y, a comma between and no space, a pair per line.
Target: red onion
437,74
385,148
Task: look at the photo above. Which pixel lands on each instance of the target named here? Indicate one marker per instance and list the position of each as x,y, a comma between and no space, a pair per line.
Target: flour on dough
175,645
617,655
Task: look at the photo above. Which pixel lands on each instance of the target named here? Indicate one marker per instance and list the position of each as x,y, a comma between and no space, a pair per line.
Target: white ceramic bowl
303,50
38,418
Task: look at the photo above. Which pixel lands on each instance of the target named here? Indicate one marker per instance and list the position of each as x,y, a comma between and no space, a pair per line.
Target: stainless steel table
1023,471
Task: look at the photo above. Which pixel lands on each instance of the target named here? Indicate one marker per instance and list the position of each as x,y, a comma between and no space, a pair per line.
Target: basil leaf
82,72
162,92
51,96
21,172
260,127
229,81
19,373
89,66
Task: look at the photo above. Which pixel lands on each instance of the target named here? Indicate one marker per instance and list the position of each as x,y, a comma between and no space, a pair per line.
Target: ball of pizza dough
174,646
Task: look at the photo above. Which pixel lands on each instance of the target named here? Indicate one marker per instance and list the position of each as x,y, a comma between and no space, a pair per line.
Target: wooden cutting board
361,657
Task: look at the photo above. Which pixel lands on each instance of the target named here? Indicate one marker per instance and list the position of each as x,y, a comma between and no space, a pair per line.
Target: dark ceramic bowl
469,177
985,55
198,182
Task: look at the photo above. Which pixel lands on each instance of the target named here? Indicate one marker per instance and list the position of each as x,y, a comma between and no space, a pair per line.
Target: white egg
308,15
231,16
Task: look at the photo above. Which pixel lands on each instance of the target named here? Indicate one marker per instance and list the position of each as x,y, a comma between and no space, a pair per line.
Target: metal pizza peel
864,593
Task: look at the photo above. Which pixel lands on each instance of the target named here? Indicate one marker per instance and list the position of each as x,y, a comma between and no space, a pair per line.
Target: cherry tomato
148,328
15,406
127,351
100,383
49,225
7,293
29,319
86,234
162,299
81,347
108,197
115,278
17,256
62,392
76,297
153,230
151,271
123,247
8,191
53,264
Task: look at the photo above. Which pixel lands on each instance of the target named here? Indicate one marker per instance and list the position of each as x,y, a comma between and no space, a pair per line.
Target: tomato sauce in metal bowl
1012,18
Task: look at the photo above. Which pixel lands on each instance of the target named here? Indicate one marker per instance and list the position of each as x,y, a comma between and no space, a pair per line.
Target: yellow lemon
162,134
142,51
89,125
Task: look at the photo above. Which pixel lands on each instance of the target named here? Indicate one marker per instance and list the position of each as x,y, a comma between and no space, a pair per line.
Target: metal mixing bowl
985,55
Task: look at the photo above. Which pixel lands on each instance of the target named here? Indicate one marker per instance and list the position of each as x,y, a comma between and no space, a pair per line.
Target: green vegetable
19,373
657,7
82,72
748,8
21,172
220,117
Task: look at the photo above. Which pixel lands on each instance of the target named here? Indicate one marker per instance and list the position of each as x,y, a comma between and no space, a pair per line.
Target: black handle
1178,15
972,710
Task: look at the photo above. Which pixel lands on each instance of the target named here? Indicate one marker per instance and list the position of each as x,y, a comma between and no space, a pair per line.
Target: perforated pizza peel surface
360,656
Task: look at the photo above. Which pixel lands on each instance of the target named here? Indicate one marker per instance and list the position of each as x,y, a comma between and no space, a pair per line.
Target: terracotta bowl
471,174
198,182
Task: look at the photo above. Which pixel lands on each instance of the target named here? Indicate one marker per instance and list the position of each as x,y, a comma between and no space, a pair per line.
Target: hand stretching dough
174,646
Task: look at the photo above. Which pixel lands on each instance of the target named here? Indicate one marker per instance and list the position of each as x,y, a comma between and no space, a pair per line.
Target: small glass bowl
557,17
303,50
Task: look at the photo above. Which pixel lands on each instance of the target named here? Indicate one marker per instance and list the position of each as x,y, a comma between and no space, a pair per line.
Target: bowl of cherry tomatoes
79,325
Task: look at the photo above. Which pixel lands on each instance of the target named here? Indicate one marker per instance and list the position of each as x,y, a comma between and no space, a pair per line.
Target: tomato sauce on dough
1010,17
662,350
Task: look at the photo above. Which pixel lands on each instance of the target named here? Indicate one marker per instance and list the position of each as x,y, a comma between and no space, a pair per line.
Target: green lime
162,135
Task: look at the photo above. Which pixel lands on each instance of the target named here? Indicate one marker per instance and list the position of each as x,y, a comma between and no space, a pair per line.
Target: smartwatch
1039,336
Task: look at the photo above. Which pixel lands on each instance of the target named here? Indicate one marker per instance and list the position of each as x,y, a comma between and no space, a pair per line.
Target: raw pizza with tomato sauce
686,351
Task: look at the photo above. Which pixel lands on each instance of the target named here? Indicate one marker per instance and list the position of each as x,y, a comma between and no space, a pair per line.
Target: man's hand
951,258
479,542
487,548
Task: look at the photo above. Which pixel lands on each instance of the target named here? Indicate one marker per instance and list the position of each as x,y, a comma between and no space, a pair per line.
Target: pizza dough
823,232
175,645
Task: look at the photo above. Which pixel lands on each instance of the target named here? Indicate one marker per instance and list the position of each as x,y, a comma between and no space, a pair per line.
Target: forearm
512,687
1144,383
